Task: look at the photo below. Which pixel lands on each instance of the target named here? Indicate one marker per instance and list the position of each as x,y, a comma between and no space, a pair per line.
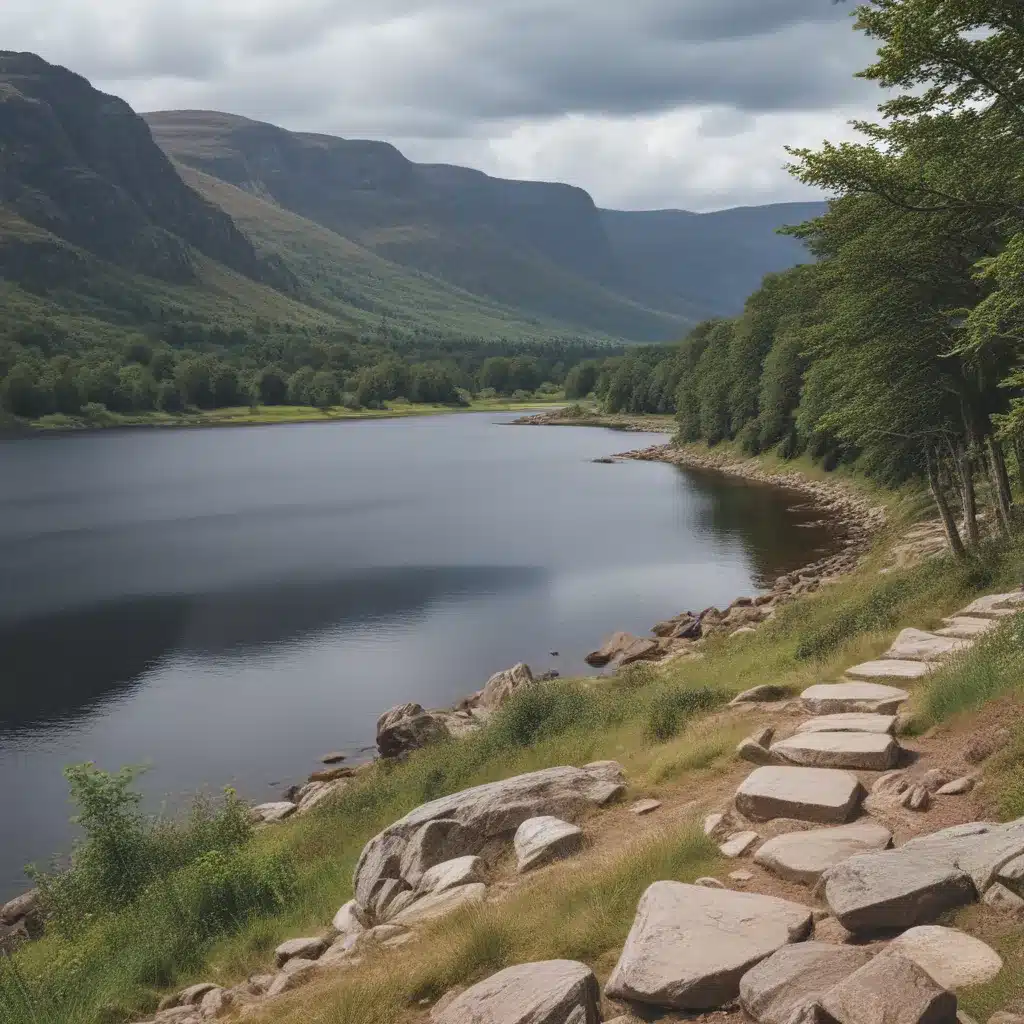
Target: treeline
46,369
901,347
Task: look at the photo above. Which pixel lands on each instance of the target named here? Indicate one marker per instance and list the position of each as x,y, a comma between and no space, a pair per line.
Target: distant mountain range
203,209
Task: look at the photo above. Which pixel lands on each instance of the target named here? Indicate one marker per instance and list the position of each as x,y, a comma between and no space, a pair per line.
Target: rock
994,606
385,895
450,873
886,668
502,685
708,882
1005,1018
645,806
822,795
611,649
1011,874
957,787
741,876
934,779
329,774
738,844
273,812
714,824
756,753
742,631
349,920
550,992
952,958
20,907
793,979
539,841
193,995
303,949
440,903
850,722
963,627
690,945
916,798
216,1003
895,889
297,973
806,856
763,694
917,645
862,751
404,899
984,743
830,930
983,850
318,792
408,727
465,823
335,757
841,698
641,649
384,933
889,990
1001,898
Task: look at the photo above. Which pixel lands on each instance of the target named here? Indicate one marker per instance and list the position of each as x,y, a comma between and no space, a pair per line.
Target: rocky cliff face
83,166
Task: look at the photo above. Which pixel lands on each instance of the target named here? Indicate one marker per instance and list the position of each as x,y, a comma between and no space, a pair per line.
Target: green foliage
671,708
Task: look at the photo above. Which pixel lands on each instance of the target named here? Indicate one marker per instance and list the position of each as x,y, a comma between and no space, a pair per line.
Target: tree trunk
1000,484
956,545
1018,450
968,498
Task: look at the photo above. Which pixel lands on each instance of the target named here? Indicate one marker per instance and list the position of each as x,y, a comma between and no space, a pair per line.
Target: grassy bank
215,913
243,415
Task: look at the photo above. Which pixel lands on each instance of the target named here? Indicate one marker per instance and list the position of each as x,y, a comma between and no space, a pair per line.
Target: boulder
302,949
850,722
539,841
889,990
984,743
895,889
1000,898
502,685
792,980
738,844
438,904
273,812
349,920
193,995
330,774
641,649
450,873
642,807
334,757
963,627
806,856
957,787
468,822
1011,874
611,649
763,694
890,668
755,752
980,849
843,698
823,795
550,992
951,957
690,945
917,645
863,751
408,727
20,907
216,1003
994,606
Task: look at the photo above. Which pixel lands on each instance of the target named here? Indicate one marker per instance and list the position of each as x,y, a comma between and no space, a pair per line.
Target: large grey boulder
889,990
438,904
624,648
823,795
895,889
843,698
550,992
408,727
791,981
450,873
862,751
539,841
273,812
980,849
853,721
503,685
953,958
806,856
474,820
20,907
302,949
917,645
890,668
690,945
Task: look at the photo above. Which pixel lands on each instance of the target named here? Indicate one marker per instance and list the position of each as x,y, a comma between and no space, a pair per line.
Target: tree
496,373
272,386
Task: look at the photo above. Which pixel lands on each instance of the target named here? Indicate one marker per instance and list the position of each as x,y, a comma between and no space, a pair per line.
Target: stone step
853,721
860,751
823,795
994,606
917,645
890,668
805,856
966,627
840,698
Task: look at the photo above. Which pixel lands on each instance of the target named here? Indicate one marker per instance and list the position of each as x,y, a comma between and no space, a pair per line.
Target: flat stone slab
951,957
541,840
863,751
792,979
852,721
642,807
994,606
966,627
549,992
824,795
452,873
690,946
438,904
806,856
917,645
843,698
981,849
738,844
889,668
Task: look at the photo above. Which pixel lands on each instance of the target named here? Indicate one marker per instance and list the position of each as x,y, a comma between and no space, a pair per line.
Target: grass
661,724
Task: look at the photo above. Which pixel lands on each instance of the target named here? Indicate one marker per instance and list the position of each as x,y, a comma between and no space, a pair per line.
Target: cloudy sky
646,103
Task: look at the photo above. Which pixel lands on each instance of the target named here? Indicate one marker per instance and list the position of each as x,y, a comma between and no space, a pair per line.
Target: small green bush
670,709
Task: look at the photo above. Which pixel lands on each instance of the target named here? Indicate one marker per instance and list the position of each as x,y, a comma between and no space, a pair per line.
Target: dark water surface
227,605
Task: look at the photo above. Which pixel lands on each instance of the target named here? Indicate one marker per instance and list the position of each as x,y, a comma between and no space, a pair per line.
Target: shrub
670,709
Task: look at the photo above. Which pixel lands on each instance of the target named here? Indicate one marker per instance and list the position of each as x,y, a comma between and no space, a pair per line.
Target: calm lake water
227,605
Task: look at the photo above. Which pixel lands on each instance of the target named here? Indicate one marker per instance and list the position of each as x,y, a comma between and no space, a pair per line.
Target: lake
228,605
